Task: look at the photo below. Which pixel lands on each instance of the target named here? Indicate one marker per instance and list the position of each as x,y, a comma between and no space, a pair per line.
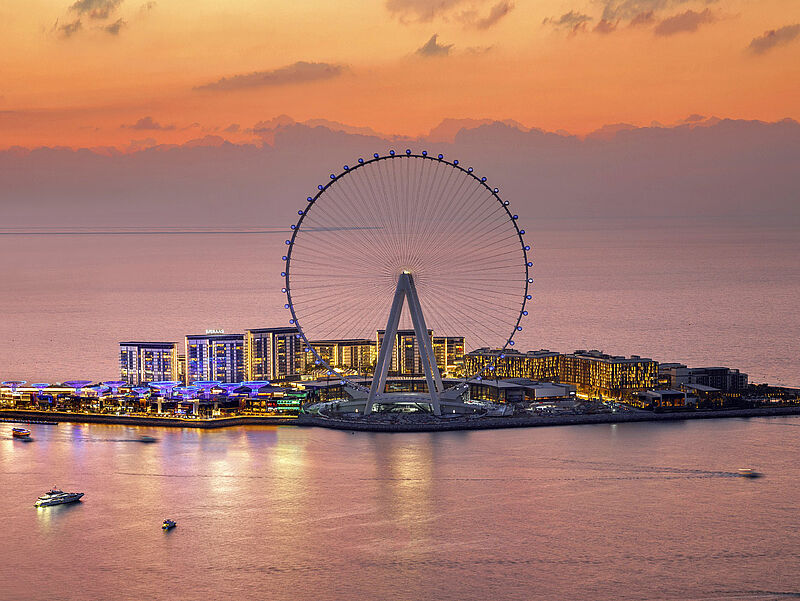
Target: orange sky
125,60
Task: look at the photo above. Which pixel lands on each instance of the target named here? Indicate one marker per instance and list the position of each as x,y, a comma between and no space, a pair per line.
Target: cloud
774,37
299,72
643,18
147,6
233,128
421,11
497,12
96,9
68,29
147,123
683,22
603,26
113,28
572,20
433,48
630,9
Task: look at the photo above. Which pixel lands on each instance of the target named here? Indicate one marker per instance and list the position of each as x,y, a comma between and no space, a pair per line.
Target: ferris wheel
407,241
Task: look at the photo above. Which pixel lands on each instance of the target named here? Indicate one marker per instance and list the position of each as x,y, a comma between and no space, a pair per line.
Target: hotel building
541,365
594,372
142,362
273,354
217,357
355,354
449,353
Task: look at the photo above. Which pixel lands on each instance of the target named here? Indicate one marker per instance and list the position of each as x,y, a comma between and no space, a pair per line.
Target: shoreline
482,423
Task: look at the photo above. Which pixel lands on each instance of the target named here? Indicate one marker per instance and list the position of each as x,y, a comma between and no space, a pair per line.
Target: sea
700,292
644,511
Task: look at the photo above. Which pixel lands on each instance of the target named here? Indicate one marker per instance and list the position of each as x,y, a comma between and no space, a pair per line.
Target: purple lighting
78,385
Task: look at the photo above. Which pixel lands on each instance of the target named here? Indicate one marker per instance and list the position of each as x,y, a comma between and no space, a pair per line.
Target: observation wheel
403,243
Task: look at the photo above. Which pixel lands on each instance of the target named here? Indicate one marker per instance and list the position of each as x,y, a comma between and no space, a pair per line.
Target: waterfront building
406,358
647,399
731,382
596,373
273,354
148,362
217,357
449,353
540,365
356,355
521,390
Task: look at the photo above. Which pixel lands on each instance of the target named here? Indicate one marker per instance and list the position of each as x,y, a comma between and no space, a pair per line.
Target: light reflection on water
627,511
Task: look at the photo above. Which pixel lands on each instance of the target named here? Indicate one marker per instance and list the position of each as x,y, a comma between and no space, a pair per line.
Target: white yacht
57,497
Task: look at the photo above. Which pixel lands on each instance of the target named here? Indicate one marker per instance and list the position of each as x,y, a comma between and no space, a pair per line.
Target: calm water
629,511
702,293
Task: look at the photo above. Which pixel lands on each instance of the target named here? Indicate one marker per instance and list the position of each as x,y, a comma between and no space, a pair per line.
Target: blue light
530,280
496,190
291,321
505,203
527,247
502,356
300,212
283,274
320,187
283,290
391,152
408,151
285,258
333,176
361,161
424,153
309,199
293,226
483,179
441,156
511,342
288,242
346,168
519,328
479,378
375,154
470,169
286,306
528,296
525,313
491,367
455,162
530,264
522,232
515,217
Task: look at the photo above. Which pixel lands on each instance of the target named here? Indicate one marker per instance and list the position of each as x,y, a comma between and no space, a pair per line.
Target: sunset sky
106,72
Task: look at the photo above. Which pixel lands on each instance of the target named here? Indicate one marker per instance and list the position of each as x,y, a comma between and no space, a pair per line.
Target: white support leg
432,375
385,354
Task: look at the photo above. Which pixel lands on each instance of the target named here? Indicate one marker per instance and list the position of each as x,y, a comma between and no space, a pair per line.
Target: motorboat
57,497
145,438
168,524
748,472
20,432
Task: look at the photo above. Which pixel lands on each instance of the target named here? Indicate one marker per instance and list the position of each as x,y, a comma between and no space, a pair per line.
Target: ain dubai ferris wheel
407,242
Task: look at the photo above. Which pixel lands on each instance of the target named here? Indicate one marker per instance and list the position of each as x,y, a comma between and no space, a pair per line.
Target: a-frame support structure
406,290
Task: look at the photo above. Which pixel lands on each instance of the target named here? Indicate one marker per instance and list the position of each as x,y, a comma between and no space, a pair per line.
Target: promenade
397,422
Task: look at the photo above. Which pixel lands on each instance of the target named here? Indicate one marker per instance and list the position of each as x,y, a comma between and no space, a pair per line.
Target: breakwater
134,420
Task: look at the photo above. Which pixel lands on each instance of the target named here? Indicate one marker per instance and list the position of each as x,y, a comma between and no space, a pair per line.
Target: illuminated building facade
449,353
730,382
406,358
217,357
353,354
595,372
141,362
273,354
543,366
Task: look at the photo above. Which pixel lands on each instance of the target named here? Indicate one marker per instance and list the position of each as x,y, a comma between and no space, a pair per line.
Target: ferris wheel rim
377,157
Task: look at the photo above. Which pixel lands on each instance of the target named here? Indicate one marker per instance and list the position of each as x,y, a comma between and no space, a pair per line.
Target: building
596,373
449,353
521,390
730,382
142,362
542,366
217,357
653,399
273,354
356,355
406,358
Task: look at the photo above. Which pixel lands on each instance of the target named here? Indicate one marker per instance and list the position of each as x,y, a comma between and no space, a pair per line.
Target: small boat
146,438
168,524
20,432
748,472
57,497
